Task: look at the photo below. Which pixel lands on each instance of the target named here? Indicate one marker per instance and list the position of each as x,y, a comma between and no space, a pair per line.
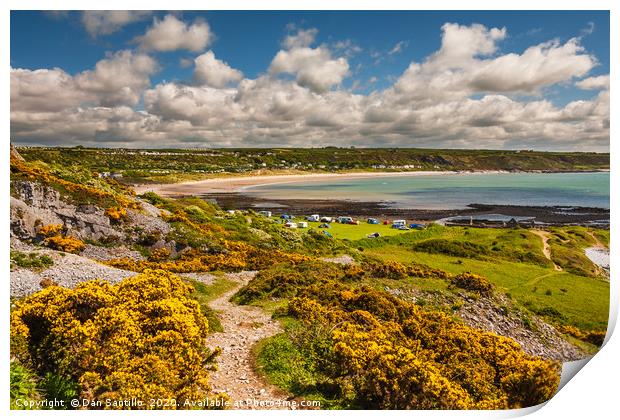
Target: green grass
280,361
352,232
31,260
204,294
23,385
584,303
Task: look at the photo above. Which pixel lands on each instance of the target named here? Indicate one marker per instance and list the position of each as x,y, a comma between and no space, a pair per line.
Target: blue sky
378,46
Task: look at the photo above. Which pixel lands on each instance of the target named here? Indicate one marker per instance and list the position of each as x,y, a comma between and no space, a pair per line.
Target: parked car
345,220
372,221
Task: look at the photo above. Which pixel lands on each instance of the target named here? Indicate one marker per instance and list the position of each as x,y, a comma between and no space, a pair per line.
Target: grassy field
353,232
560,296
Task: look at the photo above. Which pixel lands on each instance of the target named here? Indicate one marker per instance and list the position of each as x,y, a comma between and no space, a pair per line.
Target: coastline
236,184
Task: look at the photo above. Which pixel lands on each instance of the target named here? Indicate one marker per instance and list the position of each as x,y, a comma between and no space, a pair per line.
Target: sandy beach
238,184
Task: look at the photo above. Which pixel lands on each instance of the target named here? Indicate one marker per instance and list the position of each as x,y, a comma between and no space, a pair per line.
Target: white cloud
450,99
463,66
105,22
313,68
172,34
398,48
116,80
213,72
598,82
302,38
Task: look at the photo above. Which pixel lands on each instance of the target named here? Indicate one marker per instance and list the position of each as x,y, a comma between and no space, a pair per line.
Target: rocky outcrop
35,205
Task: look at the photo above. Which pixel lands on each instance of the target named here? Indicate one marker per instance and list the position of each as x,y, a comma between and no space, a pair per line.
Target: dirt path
546,250
243,326
598,243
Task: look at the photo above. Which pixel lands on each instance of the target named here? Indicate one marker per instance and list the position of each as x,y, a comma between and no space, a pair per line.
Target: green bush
31,260
454,248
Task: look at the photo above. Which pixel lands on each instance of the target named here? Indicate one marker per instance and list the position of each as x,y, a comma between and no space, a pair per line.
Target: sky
463,79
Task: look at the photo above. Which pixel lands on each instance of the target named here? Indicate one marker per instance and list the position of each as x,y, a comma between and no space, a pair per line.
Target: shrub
65,243
31,260
593,337
472,283
142,338
453,248
415,359
116,214
50,230
160,254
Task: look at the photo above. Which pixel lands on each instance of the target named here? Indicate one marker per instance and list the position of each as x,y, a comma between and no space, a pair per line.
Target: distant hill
171,165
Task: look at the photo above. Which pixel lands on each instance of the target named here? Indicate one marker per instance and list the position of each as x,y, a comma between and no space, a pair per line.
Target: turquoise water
454,191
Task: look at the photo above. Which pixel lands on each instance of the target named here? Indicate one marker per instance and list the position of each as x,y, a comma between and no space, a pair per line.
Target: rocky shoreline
553,215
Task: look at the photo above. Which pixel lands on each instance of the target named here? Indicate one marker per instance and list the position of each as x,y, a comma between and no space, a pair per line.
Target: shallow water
454,191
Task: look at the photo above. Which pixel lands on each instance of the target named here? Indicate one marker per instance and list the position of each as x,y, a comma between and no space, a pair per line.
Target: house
265,213
313,218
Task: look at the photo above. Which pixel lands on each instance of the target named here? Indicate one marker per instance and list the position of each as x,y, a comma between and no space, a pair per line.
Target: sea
453,191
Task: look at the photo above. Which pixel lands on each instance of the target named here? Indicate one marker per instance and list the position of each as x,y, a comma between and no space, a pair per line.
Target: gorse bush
595,337
472,283
53,238
116,214
364,348
65,243
142,338
383,353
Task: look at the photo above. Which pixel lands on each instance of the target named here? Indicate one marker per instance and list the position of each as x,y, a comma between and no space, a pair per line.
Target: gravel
68,271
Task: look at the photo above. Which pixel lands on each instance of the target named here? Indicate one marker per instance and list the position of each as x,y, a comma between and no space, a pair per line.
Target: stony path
546,250
243,327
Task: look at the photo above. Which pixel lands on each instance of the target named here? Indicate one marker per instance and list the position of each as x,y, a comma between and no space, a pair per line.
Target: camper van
313,218
346,220
397,224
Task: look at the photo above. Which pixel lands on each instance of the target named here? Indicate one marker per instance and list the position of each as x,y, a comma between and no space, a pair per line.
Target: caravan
397,224
313,218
